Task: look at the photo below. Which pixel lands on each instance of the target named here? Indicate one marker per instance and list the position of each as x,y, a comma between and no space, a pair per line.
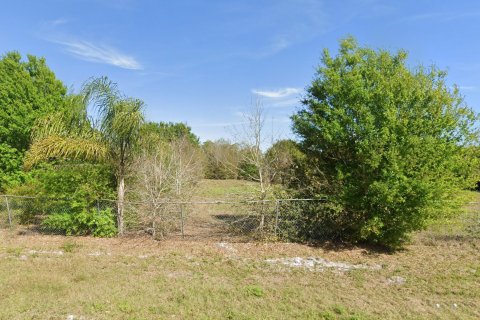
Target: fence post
9,212
182,220
277,210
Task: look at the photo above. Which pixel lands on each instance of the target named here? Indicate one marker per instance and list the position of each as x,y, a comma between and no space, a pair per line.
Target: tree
222,159
285,157
110,139
386,143
254,164
170,131
28,91
165,172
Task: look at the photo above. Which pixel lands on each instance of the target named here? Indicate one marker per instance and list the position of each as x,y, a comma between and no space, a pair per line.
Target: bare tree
251,137
254,163
166,174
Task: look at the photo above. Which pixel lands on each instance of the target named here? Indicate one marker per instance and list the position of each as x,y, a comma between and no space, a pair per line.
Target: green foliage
70,246
64,187
28,91
305,220
226,160
247,170
10,166
73,136
86,222
255,291
66,180
221,159
169,131
111,140
387,144
286,159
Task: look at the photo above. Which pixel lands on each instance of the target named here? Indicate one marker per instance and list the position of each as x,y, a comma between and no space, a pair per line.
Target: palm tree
110,138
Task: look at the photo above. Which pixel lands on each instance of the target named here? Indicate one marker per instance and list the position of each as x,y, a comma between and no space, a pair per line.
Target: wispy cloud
274,46
285,97
283,25
58,22
100,53
285,103
277,94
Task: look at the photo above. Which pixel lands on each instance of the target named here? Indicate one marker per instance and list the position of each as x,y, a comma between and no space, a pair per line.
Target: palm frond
71,122
103,94
124,121
67,148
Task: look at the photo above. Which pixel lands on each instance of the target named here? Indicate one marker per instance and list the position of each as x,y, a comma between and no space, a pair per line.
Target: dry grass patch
139,278
437,276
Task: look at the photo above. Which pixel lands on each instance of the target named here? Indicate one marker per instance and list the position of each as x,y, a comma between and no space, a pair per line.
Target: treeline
226,160
389,147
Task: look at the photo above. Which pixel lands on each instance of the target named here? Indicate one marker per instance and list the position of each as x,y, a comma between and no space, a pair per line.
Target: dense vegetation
392,145
28,91
388,146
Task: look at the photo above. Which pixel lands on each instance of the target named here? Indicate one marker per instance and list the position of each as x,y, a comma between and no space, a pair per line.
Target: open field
437,276
225,189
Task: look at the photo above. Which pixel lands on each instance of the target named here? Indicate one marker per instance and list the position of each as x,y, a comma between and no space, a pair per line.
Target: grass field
437,276
225,189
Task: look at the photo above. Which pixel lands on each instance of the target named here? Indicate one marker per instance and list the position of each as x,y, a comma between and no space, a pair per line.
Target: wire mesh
232,220
202,219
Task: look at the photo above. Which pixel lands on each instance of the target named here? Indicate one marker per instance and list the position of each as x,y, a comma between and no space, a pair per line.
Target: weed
69,246
16,251
255,291
340,310
98,307
327,315
125,307
79,278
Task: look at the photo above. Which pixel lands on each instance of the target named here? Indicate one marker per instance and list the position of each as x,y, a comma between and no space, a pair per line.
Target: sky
205,62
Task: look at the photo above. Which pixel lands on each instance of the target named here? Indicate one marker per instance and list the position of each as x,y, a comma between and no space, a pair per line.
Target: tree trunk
263,196
120,202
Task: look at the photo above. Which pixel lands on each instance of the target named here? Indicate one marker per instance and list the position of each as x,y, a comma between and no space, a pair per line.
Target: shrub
96,223
389,146
63,187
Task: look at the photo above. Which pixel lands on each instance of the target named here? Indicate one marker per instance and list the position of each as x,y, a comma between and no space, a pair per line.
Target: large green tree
387,143
110,137
170,131
28,91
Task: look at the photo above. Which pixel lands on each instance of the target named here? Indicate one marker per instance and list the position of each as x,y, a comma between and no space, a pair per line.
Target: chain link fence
229,220
232,220
465,226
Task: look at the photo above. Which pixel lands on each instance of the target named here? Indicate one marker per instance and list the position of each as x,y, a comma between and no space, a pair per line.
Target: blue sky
201,62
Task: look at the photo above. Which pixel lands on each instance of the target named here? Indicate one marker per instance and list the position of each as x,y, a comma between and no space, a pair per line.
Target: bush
96,223
64,187
389,146
10,167
286,159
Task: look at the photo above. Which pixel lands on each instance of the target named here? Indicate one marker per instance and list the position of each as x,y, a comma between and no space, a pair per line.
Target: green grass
69,246
220,189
